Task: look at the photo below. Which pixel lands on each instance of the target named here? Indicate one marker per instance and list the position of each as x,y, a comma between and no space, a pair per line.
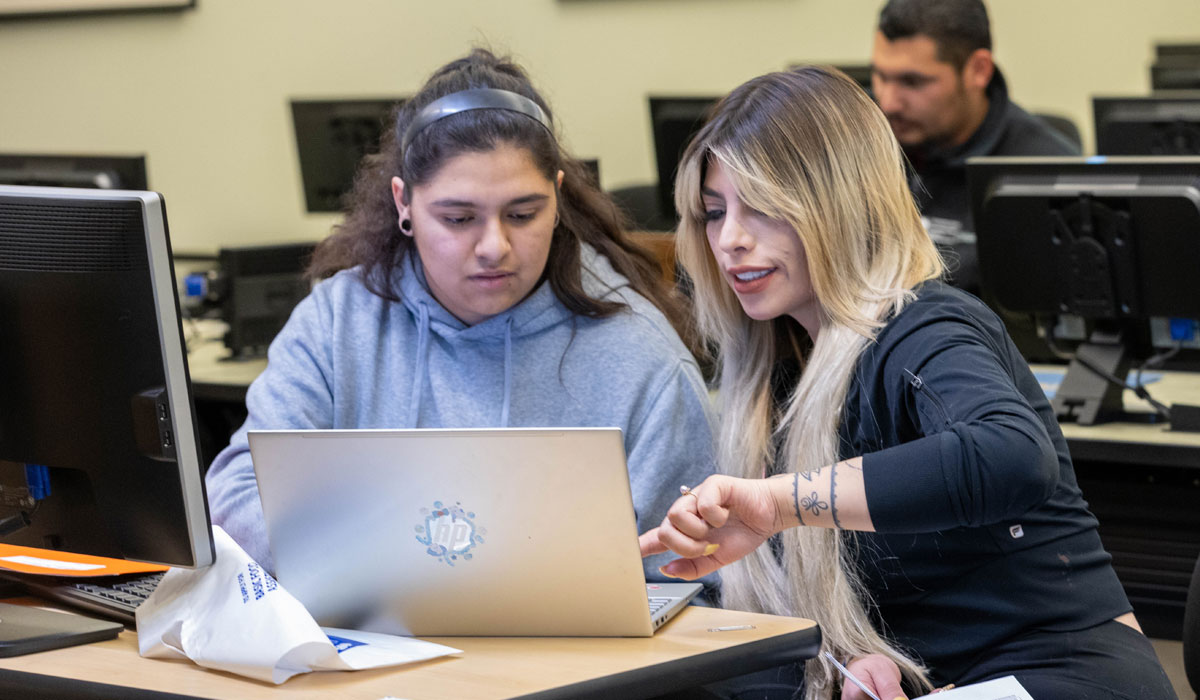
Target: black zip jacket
982,532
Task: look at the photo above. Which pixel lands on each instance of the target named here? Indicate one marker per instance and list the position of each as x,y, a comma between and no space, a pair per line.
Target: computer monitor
1157,125
259,287
1176,67
332,136
858,72
674,121
1177,50
95,399
592,166
1109,242
95,171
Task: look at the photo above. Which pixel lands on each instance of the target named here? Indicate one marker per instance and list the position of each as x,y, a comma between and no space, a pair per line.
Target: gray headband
479,98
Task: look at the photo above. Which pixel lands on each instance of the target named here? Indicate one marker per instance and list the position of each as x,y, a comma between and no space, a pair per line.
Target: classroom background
204,93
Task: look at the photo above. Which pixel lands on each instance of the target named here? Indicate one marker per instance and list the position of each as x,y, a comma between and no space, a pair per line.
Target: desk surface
213,374
682,654
1139,443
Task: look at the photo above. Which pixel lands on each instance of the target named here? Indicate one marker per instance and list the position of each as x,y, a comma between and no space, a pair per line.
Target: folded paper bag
233,616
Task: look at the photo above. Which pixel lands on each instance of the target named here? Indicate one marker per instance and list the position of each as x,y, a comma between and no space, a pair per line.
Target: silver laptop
493,532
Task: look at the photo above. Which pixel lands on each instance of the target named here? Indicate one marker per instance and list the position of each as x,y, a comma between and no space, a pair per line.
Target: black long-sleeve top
982,531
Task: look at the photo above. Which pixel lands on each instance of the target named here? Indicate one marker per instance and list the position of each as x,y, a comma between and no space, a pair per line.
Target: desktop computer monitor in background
1108,243
260,285
332,136
1175,67
592,166
98,172
98,448
1158,125
858,72
674,121
1177,50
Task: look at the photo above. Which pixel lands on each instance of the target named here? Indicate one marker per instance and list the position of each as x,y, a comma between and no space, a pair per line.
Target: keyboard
114,597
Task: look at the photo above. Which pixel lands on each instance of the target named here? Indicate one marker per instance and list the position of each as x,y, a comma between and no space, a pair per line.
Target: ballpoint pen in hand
850,677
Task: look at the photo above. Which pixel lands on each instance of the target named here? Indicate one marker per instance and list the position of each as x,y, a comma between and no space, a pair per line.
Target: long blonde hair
810,148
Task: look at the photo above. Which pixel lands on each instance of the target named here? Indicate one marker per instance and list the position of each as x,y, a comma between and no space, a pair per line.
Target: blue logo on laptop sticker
449,532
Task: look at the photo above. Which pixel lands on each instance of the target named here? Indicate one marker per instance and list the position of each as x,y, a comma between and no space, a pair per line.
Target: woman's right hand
877,672
716,523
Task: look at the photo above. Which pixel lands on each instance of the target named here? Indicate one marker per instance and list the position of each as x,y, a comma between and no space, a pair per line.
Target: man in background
933,75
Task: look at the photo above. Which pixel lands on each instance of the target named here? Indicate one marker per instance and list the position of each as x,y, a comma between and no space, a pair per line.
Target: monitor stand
25,629
1087,397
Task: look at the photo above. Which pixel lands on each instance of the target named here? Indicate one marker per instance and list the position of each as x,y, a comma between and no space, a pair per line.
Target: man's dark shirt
939,176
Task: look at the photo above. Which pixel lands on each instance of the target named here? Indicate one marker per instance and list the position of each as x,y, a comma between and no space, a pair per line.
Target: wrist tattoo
796,496
833,495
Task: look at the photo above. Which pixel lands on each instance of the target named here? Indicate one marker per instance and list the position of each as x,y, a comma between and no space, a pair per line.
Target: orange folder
30,560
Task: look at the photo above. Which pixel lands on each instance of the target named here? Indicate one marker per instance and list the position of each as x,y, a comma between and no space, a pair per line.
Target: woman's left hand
716,523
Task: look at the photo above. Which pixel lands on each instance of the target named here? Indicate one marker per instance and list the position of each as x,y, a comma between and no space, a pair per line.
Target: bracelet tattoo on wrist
833,495
796,496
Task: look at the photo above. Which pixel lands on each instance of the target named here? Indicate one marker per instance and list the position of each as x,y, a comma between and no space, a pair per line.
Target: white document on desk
234,617
1007,688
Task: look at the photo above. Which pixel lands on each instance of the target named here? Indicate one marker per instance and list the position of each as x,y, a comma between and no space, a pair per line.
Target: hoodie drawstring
507,372
421,367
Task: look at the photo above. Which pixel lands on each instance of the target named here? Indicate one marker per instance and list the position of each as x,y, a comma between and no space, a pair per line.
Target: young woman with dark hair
480,279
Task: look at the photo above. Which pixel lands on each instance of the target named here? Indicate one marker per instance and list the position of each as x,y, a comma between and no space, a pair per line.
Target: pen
850,676
730,628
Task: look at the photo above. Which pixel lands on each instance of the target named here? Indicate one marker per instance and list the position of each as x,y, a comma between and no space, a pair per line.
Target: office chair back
1064,126
1191,632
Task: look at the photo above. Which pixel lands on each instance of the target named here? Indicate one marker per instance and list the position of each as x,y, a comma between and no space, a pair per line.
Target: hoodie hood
536,313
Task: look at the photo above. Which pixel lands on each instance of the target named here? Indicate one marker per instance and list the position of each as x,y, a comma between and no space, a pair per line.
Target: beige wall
204,92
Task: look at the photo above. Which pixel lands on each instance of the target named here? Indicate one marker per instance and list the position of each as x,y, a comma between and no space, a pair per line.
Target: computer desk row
699,646
1140,443
214,377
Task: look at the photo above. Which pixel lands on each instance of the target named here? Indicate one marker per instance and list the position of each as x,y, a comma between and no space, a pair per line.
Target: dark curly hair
370,236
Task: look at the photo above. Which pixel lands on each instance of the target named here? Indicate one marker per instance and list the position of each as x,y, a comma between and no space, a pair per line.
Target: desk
214,376
682,654
1142,481
1140,443
218,385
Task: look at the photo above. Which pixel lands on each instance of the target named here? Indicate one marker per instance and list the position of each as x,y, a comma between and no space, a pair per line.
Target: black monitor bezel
984,173
310,119
667,152
1139,109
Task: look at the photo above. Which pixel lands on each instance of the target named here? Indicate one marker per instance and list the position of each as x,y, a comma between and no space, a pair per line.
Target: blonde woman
921,503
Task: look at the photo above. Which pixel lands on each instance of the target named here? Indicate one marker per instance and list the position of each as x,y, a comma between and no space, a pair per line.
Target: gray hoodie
350,359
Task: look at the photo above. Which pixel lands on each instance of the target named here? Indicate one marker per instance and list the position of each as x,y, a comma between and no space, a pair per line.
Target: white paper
1007,688
233,616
